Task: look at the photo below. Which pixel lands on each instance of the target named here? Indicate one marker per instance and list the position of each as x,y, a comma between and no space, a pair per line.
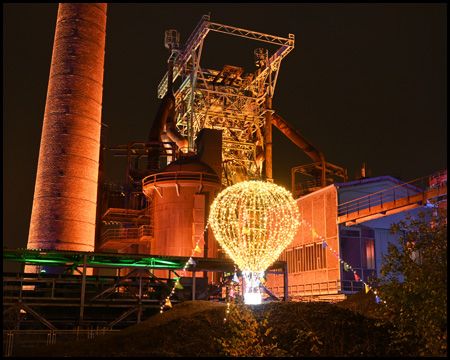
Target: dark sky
365,82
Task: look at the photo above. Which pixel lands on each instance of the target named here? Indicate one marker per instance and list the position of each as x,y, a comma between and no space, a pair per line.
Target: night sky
365,82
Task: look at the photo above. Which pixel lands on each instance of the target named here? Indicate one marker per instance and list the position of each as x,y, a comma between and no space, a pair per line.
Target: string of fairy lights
346,266
190,261
234,280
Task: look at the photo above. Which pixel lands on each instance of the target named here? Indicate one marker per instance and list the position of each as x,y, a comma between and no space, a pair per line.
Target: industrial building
354,220
93,242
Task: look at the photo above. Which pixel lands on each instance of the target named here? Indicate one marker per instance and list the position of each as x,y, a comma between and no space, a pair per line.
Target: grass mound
189,330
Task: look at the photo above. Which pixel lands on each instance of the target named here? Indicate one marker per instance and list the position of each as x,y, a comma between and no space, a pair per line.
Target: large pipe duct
164,127
268,139
64,207
297,138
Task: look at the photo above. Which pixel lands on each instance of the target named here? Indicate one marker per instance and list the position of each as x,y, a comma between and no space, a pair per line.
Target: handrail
50,336
403,190
127,233
180,176
334,287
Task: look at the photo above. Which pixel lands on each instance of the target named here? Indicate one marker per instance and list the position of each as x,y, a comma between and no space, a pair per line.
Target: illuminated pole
268,129
268,139
65,197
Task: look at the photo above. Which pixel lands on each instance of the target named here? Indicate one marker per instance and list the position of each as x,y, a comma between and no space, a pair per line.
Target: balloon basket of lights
252,294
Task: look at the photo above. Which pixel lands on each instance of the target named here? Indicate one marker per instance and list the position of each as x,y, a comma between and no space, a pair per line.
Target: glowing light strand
347,267
231,295
190,261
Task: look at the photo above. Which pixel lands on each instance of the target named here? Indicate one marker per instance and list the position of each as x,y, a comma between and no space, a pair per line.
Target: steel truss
131,296
225,100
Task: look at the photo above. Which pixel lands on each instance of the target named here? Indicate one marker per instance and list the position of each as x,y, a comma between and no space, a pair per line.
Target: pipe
65,198
268,139
164,123
299,140
172,132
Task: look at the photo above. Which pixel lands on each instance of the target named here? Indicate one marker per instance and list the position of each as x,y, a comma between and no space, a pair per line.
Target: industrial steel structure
226,99
132,294
105,252
221,118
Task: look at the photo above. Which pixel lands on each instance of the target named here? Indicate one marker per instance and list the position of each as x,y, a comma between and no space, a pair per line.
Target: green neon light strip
144,262
175,266
172,265
45,261
160,261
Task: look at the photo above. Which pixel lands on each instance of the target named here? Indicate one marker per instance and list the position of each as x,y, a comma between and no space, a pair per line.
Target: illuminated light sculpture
254,221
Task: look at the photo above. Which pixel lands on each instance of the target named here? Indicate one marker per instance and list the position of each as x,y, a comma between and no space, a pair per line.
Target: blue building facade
348,223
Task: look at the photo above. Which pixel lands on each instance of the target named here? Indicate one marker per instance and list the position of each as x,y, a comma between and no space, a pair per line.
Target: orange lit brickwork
318,210
64,207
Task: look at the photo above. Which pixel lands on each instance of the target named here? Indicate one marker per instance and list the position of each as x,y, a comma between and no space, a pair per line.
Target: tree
413,283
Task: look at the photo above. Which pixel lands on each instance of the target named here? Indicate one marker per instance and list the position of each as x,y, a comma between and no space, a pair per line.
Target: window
358,248
368,253
309,258
305,258
289,260
299,252
320,256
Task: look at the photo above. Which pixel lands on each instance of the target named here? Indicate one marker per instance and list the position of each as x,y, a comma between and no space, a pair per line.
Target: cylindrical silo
64,207
183,193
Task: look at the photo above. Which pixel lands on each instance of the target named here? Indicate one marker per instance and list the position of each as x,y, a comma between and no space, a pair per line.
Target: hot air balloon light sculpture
254,221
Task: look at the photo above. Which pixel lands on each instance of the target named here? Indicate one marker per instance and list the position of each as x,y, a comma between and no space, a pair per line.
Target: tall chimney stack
65,196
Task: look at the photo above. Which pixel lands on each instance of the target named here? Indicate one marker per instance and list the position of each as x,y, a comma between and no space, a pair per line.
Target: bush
246,336
414,285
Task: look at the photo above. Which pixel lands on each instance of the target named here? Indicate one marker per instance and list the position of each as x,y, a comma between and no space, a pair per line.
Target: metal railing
42,287
127,233
176,176
306,187
321,288
439,178
379,198
22,340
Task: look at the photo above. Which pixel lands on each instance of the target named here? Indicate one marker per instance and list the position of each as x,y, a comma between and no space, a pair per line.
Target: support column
193,285
140,297
324,174
83,289
286,285
268,139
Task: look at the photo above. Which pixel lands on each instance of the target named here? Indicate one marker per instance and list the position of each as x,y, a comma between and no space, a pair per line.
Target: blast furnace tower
238,104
